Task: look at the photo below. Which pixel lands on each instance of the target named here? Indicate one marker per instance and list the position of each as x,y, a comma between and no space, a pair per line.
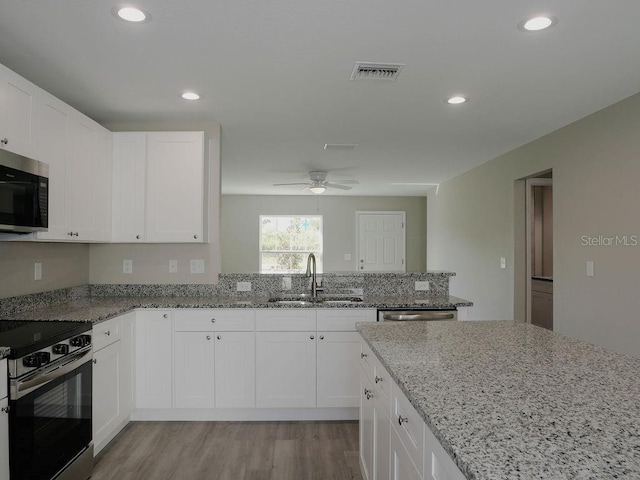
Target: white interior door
381,241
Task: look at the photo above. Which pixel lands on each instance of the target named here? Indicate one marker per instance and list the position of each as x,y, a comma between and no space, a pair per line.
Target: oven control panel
44,356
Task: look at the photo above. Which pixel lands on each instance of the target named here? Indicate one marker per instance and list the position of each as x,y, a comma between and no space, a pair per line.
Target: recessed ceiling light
456,100
132,14
537,23
190,96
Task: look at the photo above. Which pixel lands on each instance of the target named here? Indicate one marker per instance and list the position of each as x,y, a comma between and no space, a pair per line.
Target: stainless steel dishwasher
416,315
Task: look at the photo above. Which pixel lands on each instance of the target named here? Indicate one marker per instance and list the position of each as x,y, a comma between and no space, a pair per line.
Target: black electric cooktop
26,336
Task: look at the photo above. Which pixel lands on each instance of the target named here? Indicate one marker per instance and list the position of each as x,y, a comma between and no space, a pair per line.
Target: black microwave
24,194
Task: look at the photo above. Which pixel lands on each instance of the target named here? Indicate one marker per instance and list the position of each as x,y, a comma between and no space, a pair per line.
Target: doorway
380,243
539,251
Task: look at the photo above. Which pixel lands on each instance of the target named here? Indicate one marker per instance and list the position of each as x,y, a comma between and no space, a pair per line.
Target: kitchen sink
307,299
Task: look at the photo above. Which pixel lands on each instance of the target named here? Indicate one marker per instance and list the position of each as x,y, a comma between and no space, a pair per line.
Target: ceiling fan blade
281,184
335,185
348,182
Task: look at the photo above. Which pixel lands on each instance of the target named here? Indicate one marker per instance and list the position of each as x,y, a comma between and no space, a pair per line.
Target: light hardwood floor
232,451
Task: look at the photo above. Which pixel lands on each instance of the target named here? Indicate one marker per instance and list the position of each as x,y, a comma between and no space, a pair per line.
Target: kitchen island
508,400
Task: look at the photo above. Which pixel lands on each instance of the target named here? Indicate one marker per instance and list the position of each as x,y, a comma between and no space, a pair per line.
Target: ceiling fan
318,183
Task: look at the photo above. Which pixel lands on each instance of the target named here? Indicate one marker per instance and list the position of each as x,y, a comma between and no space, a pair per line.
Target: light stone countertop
509,400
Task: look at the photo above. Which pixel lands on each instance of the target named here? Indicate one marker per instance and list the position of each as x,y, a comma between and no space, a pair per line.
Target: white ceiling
275,75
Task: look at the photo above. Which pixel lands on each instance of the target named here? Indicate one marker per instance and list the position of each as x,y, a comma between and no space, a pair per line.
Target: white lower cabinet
286,369
4,422
402,467
437,463
338,369
153,359
235,369
367,430
193,361
112,379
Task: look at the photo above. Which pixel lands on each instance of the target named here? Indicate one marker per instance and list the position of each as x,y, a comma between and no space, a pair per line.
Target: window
287,240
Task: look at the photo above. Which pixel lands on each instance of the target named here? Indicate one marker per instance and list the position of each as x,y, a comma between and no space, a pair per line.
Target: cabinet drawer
343,319
408,424
3,378
219,320
106,333
285,320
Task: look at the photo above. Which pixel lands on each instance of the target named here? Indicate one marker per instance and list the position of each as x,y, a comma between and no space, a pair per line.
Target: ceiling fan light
318,189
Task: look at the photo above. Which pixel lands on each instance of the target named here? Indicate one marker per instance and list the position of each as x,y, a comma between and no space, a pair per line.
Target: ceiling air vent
376,71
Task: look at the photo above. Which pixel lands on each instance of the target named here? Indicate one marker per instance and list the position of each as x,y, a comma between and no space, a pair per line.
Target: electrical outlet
173,266
197,265
503,262
590,268
422,286
127,266
286,283
37,271
243,286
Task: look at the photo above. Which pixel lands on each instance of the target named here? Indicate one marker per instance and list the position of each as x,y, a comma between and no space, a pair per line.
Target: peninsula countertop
509,400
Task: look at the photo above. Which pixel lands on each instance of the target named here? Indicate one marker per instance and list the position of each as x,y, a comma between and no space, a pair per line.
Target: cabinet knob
402,420
166,315
361,268
219,337
107,333
368,393
4,141
95,361
363,355
137,237
321,337
208,337
70,234
361,260
195,236
5,409
312,337
213,320
378,379
75,234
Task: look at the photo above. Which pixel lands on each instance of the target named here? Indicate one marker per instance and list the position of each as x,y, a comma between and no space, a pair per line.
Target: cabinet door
18,114
367,432
285,369
153,353
382,440
235,369
4,438
106,392
101,185
437,463
129,173
54,149
338,369
193,369
402,467
175,187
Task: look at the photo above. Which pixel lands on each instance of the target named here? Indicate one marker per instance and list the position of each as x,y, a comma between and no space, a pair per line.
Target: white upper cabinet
158,187
18,114
129,176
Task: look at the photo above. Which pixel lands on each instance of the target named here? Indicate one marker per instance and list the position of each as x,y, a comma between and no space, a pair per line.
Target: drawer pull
219,337
368,393
378,379
402,420
107,333
363,355
208,337
166,315
5,409
213,320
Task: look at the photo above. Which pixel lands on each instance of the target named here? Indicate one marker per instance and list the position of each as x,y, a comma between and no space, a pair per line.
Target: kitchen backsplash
262,285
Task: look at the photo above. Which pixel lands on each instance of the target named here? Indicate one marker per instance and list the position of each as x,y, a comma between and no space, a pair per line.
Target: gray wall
475,217
239,227
63,265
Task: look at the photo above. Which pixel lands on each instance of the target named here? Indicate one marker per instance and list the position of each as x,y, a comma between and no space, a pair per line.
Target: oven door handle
428,315
24,386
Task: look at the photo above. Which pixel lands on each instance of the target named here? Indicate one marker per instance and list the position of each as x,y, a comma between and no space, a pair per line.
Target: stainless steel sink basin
307,299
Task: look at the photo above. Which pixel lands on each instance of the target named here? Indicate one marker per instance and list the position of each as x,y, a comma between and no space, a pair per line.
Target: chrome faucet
311,272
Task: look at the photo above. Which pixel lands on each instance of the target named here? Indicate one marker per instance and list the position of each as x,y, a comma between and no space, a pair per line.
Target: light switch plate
127,266
503,262
286,283
173,266
197,265
37,271
243,286
422,286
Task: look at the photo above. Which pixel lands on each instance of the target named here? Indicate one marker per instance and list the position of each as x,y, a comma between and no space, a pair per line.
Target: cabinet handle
311,337
363,355
166,315
5,409
378,379
137,237
208,337
95,361
321,337
402,420
368,393
4,141
219,337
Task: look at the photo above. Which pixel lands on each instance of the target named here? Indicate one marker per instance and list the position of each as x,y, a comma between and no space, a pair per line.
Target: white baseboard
244,414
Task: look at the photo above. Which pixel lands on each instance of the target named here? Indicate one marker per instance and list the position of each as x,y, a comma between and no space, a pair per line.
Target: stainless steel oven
50,388
402,315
